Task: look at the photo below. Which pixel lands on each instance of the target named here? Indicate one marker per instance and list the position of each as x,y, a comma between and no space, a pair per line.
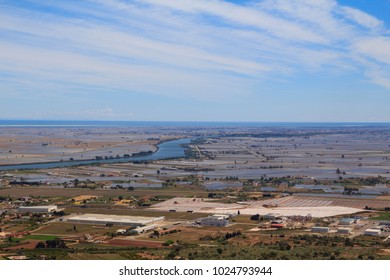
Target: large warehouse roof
114,219
38,209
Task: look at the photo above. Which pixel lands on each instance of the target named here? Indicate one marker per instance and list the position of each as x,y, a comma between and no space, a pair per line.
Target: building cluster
343,226
383,228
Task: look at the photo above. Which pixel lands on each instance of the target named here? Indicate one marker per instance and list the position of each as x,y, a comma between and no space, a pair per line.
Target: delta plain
292,191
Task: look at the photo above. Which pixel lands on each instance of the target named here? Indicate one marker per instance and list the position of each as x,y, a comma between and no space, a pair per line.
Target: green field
382,216
38,237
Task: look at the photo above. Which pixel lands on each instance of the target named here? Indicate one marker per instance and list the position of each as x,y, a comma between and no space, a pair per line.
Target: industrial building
384,223
347,221
224,216
344,230
215,221
373,232
121,231
140,230
38,209
100,219
320,229
272,216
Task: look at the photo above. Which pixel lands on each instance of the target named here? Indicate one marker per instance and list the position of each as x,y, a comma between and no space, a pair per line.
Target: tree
168,243
59,213
40,245
171,255
57,243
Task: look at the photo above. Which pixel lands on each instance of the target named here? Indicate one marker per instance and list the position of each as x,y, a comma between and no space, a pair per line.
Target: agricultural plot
307,201
67,229
288,206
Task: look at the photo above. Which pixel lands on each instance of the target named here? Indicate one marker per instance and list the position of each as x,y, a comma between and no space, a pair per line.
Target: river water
166,150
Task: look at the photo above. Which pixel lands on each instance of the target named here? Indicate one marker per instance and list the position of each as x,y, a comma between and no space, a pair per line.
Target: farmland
241,193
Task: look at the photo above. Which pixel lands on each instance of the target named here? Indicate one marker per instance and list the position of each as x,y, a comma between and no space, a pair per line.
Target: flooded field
243,152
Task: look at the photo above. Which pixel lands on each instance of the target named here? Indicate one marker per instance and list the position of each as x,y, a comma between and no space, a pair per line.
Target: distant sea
49,123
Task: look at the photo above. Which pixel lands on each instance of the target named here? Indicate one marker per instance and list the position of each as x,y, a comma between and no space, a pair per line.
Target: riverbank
165,150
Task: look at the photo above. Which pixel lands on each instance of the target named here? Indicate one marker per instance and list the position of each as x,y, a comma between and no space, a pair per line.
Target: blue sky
195,60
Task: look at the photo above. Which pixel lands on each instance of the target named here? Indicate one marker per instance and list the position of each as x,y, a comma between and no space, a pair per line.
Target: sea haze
66,123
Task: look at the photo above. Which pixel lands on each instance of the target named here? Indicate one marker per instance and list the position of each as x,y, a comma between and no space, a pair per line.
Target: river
166,150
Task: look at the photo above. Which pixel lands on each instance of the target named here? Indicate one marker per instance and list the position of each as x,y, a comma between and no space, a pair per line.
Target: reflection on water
336,195
324,188
167,150
218,185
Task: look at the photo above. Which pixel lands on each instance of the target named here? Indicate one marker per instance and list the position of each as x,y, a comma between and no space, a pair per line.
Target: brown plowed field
134,243
28,245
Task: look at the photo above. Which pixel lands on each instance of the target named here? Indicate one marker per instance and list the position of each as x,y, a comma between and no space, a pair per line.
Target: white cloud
377,48
361,18
380,78
193,48
245,16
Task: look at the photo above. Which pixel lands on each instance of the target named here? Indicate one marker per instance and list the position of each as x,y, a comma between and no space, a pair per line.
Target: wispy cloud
196,49
362,18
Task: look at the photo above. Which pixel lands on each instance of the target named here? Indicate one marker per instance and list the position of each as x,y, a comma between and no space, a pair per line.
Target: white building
100,219
272,216
121,231
215,221
347,221
373,232
320,229
143,229
38,209
224,216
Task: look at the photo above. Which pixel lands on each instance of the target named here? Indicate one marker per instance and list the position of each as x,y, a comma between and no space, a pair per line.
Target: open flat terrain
302,177
287,206
32,144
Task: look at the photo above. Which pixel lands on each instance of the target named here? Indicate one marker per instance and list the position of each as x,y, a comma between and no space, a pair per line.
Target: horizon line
190,121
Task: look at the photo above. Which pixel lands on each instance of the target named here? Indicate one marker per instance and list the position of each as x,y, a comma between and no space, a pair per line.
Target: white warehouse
373,232
38,209
215,221
143,229
101,219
